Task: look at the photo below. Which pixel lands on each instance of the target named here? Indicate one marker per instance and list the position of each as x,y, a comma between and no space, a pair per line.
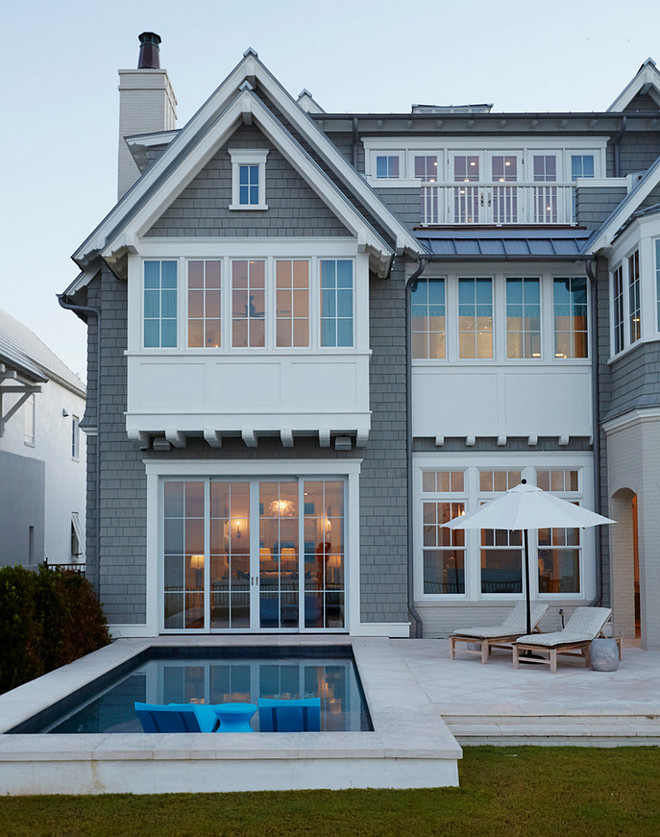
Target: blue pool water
214,675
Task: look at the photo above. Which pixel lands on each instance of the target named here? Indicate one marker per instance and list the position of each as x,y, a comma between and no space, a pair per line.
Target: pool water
221,678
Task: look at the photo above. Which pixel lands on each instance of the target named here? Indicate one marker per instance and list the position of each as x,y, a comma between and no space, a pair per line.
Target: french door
253,554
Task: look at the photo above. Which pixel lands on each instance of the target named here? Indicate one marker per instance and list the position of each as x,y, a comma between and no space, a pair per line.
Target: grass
510,791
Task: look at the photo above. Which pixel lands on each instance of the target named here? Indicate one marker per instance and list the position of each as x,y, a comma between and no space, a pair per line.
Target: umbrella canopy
528,507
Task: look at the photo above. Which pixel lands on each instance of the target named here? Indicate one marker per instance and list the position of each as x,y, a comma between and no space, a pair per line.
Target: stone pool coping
410,745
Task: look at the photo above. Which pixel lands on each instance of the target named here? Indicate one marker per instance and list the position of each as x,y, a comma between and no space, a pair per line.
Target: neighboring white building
42,452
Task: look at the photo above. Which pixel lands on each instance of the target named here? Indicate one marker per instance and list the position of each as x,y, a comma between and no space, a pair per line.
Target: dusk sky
59,66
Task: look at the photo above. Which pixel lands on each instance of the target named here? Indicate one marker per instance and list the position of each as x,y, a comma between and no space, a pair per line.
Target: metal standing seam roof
504,243
21,349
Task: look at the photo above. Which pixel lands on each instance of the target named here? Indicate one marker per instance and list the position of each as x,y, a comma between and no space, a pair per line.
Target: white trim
251,468
249,67
394,630
650,415
214,248
646,75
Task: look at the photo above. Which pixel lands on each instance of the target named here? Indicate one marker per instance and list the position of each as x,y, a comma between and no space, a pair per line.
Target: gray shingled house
315,337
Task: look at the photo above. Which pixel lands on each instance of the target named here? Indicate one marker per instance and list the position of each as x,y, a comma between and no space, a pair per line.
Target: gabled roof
605,235
232,103
646,83
23,351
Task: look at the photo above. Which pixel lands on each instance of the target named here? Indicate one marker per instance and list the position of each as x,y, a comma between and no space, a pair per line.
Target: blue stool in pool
235,717
176,717
290,715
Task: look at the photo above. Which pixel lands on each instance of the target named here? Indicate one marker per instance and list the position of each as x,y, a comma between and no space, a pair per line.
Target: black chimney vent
149,58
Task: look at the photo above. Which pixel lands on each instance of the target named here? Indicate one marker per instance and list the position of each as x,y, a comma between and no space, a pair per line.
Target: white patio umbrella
526,507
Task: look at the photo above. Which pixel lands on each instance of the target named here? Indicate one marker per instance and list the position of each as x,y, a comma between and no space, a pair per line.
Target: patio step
596,729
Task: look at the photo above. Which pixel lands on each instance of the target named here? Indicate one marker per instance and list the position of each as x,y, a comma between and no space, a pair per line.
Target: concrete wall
22,493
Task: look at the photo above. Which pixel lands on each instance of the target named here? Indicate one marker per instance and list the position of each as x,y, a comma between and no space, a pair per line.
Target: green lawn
508,791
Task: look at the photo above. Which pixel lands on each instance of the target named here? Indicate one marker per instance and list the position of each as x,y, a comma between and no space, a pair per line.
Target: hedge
47,619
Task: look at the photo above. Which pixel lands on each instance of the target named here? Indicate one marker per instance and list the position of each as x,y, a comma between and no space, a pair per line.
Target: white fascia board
314,176
648,74
82,280
249,468
630,419
617,219
485,142
168,247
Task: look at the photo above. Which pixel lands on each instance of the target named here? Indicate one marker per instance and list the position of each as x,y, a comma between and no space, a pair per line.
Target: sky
58,88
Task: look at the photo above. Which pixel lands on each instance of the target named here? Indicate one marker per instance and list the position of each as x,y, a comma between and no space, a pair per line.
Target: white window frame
158,471
528,464
75,438
30,421
247,157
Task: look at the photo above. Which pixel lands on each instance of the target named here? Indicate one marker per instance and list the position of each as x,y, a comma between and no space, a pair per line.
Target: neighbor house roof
23,351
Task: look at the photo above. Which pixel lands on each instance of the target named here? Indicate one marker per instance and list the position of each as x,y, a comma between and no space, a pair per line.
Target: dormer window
248,178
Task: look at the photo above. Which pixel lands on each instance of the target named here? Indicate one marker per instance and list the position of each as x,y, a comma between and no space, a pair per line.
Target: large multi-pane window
248,310
336,302
292,302
160,304
523,318
490,562
443,549
428,319
618,309
253,553
204,304
634,299
475,318
570,313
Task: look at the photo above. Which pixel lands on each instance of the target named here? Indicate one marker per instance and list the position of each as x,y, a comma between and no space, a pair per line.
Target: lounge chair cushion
514,624
584,625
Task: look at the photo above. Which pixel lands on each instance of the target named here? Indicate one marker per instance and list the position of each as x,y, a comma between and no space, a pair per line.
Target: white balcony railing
495,203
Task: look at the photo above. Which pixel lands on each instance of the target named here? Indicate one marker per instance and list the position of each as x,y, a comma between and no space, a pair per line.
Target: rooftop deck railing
497,203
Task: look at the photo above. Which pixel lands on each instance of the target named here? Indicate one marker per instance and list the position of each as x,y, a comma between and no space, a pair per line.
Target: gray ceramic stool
604,654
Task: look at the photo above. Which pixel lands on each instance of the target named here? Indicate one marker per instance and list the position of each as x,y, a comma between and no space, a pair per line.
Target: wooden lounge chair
499,636
176,717
290,715
585,624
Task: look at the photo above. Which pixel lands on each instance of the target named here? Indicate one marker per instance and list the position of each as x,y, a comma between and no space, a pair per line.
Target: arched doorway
625,576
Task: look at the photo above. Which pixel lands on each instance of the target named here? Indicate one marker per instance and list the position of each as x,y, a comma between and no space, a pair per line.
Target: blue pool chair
290,715
176,717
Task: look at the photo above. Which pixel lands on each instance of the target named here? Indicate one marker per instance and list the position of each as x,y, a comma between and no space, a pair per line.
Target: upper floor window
523,318
248,309
582,165
570,313
160,304
387,166
204,304
336,302
248,178
426,168
634,304
428,319
292,302
475,318
618,309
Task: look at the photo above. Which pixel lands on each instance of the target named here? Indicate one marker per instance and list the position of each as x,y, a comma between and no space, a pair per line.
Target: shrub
47,619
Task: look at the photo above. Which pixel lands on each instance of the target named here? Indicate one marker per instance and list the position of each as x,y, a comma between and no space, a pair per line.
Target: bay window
160,304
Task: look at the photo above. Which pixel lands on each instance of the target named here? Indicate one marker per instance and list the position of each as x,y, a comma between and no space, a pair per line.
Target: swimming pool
212,676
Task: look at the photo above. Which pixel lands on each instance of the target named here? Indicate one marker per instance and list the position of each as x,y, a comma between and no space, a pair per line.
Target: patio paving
497,704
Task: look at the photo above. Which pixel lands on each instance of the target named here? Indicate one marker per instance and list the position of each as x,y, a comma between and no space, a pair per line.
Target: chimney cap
149,58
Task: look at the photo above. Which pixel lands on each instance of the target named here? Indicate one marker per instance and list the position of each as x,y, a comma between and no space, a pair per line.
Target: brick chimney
146,105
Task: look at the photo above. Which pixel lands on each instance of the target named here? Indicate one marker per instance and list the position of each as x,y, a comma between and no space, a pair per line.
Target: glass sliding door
253,554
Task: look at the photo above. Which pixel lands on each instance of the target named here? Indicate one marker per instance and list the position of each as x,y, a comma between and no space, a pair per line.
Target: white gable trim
630,204
646,81
252,69
194,162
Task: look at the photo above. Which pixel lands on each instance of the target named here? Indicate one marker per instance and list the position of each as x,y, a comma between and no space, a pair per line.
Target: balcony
470,203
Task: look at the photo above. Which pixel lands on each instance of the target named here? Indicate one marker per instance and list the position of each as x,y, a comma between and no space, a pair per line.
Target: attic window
248,178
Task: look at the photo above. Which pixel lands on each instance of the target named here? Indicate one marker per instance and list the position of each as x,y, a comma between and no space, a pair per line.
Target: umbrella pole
527,588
